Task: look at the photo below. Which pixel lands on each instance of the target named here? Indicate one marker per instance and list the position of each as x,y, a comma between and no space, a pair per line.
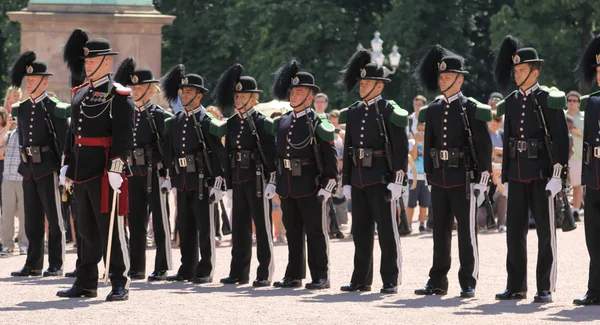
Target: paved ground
24,301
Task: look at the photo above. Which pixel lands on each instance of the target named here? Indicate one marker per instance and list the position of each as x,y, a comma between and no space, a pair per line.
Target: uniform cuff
117,165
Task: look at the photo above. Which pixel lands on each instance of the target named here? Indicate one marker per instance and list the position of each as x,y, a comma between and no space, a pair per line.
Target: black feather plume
73,53
125,71
503,64
426,72
17,72
283,79
169,84
586,69
77,81
351,71
223,93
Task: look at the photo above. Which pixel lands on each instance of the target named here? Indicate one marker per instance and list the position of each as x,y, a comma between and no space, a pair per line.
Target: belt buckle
361,153
597,152
28,150
182,162
444,154
287,164
521,146
239,156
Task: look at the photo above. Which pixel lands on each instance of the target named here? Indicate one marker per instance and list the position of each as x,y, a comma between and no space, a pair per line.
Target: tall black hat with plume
361,67
426,72
231,82
176,79
289,76
589,61
27,65
73,55
128,75
509,56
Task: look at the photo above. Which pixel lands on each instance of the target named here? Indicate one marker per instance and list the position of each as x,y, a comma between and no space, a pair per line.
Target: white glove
554,186
229,194
396,190
270,191
347,189
218,194
482,189
62,178
115,181
505,189
166,184
325,194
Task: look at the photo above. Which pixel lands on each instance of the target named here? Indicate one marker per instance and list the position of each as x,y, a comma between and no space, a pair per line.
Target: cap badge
184,81
29,69
238,86
443,66
516,59
363,73
135,79
86,51
597,58
295,81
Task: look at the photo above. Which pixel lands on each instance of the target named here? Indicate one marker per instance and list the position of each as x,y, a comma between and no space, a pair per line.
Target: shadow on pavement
71,303
503,307
579,314
425,302
344,297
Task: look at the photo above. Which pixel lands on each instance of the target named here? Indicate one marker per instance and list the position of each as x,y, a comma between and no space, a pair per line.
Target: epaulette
483,112
326,131
61,110
584,100
218,128
422,117
500,104
168,122
322,116
275,123
121,90
343,119
75,89
166,113
268,124
556,98
15,108
399,116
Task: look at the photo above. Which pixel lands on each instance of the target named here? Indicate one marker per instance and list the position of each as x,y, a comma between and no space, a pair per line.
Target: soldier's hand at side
115,181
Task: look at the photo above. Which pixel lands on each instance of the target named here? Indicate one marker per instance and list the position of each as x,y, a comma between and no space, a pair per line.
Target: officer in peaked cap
195,155
250,175
374,166
41,140
147,166
452,124
95,160
306,177
589,67
527,171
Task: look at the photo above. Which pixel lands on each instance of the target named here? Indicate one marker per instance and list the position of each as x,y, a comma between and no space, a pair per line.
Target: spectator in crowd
276,213
418,102
339,201
12,192
321,102
419,194
494,99
576,131
13,96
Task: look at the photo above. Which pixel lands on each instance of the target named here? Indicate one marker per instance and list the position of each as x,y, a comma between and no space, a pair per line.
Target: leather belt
522,145
94,142
360,152
287,163
27,150
444,154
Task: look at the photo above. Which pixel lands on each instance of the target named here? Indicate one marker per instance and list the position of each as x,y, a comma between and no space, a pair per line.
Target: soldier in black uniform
374,166
451,166
589,70
146,163
195,156
41,140
250,175
299,181
527,168
95,156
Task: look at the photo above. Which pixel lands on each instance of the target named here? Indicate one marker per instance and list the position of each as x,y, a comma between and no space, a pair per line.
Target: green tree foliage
9,41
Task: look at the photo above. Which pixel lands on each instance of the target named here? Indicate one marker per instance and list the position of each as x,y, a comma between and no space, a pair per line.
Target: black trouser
368,208
42,200
68,210
92,226
306,216
521,198
247,207
446,205
193,218
592,239
140,204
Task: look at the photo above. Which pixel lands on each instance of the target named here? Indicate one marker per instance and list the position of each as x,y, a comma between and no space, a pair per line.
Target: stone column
133,27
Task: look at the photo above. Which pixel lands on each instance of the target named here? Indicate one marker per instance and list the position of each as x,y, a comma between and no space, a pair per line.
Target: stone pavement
33,300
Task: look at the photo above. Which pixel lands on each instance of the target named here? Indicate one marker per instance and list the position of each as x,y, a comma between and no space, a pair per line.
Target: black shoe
430,290
118,294
351,287
202,279
511,295
576,217
72,274
543,296
288,283
318,284
157,276
137,275
177,277
77,292
587,300
27,271
52,271
467,292
233,280
259,283
389,288
337,235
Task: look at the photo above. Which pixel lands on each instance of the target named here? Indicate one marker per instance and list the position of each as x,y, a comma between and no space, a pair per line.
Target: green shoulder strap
343,119
217,128
15,108
500,105
483,112
584,100
399,116
326,131
556,98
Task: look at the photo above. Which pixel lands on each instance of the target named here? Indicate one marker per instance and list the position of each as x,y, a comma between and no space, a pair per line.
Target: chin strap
144,94
38,86
370,91
97,68
303,101
191,100
528,75
245,105
452,84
